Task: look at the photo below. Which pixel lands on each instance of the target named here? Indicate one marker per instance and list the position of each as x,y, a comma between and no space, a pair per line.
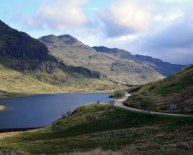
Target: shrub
118,94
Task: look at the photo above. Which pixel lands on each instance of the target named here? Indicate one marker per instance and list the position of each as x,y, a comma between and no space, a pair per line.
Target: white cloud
59,15
127,17
173,43
175,1
159,28
169,16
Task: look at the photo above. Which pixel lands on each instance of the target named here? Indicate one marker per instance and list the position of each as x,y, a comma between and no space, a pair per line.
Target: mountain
176,89
26,67
20,45
112,67
164,68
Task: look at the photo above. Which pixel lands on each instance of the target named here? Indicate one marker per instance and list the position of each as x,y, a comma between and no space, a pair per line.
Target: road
119,103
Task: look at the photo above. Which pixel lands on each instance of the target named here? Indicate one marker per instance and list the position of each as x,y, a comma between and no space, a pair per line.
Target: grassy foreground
107,129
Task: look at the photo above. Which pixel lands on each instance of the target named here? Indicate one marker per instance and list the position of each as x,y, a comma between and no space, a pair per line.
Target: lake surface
42,110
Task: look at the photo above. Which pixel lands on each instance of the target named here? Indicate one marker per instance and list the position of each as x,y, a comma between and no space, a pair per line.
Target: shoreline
19,129
30,95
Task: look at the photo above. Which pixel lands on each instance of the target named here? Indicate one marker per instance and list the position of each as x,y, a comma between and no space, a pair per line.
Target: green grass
111,67
177,89
14,83
108,128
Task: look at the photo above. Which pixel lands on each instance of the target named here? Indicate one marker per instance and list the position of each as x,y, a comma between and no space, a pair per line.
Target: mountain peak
60,41
66,36
68,39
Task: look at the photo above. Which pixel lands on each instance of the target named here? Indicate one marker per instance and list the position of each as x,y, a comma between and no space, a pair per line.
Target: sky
159,28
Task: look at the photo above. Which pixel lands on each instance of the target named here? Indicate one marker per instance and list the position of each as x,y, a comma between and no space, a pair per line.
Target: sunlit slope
26,67
14,83
73,52
176,89
108,128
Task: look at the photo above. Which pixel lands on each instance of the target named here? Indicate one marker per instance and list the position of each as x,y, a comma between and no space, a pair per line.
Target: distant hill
164,68
26,67
176,89
110,66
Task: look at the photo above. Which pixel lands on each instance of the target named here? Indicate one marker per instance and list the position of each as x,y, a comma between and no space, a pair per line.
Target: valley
64,87
27,68
56,64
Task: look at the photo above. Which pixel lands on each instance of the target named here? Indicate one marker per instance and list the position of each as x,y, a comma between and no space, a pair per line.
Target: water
42,110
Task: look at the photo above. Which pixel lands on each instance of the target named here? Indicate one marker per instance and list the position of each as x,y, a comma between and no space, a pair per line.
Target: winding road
119,103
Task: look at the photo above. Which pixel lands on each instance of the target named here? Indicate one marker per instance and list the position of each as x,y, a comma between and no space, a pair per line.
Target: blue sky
159,28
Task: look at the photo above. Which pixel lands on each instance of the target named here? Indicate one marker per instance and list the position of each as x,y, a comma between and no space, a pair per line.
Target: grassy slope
13,83
28,82
111,67
109,128
165,68
26,68
125,71
175,89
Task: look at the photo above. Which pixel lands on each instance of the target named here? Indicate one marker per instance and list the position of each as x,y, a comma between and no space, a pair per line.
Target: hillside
164,68
73,52
104,129
176,89
20,45
26,67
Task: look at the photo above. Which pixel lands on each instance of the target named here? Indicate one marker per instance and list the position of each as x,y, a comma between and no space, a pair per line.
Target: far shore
17,95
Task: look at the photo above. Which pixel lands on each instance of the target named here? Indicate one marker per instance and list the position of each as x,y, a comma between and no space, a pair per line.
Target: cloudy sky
159,28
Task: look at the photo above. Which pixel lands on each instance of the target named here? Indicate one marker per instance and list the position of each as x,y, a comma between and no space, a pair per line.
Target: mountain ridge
114,64
26,67
79,54
165,68
63,62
